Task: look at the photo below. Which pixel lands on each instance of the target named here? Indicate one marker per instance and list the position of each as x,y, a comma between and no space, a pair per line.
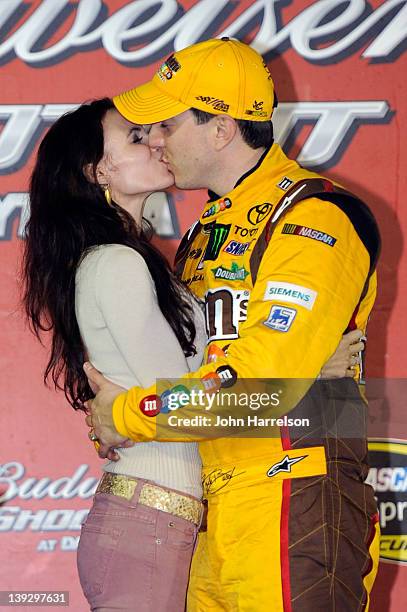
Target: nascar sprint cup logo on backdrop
388,477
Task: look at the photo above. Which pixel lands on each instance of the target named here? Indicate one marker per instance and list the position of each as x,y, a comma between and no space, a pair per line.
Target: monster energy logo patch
219,233
236,272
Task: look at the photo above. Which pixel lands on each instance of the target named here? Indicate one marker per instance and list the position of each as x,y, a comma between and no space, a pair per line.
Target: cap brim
147,104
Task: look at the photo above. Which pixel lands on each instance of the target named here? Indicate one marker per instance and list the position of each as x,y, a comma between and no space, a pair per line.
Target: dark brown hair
69,215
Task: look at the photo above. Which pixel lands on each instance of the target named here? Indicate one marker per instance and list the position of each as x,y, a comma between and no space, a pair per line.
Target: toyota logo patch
259,212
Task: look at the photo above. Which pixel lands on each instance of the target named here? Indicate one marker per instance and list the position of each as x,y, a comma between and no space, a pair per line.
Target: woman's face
129,166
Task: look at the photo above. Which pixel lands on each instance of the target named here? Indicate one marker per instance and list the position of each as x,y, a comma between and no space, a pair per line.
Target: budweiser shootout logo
16,487
388,477
168,25
140,32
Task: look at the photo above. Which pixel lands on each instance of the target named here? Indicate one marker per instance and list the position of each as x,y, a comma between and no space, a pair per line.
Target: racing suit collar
271,164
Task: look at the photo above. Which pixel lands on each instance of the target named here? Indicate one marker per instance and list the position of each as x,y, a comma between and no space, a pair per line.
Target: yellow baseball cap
218,76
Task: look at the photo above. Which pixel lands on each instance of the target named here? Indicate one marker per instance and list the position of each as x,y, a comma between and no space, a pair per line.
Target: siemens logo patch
308,232
287,292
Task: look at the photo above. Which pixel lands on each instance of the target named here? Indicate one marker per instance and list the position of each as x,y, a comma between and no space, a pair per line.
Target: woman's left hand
103,431
346,356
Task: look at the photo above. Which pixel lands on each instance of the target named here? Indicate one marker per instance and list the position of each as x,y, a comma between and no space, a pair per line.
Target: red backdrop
339,72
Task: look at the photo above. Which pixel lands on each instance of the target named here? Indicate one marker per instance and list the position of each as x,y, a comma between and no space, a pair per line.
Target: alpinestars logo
284,465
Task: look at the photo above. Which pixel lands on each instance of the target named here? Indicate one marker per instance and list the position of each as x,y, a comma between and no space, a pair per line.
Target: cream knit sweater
129,340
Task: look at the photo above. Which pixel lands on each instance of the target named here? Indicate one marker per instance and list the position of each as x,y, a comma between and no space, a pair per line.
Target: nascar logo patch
308,232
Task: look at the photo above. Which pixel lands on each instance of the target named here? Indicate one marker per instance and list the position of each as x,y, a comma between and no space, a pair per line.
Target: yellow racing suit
285,263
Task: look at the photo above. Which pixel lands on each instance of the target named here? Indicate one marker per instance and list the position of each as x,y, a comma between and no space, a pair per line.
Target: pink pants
134,558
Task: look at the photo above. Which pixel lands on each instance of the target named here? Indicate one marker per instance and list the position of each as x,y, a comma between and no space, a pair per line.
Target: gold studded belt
152,496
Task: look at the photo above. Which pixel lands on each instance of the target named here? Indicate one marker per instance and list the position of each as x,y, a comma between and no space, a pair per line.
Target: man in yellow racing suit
285,262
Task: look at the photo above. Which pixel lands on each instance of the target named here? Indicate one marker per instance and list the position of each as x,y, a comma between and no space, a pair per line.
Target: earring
108,195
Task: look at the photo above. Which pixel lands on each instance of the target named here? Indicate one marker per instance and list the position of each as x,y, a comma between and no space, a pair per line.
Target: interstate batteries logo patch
234,273
308,232
388,477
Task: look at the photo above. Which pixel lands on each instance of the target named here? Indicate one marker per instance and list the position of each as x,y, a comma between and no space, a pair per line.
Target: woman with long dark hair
94,280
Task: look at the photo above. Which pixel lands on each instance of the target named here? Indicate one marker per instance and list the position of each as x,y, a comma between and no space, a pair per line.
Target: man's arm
310,330
342,364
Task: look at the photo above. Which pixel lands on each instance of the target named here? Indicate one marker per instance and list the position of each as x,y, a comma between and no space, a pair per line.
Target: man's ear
225,131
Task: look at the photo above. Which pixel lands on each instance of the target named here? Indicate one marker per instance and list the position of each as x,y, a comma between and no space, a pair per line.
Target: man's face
186,148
